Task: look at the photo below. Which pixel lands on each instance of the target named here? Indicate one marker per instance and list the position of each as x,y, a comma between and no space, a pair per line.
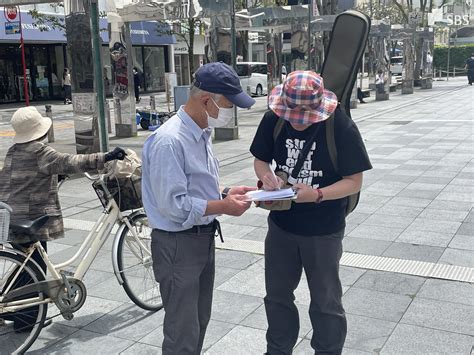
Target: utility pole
449,52
99,82
310,10
233,50
23,63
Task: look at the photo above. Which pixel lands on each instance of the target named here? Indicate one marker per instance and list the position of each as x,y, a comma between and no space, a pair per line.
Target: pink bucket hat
302,98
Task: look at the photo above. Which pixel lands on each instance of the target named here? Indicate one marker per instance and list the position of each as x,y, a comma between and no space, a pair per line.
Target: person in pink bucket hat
306,233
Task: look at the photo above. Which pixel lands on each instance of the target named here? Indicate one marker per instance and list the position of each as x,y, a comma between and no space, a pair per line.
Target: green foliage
43,21
379,11
457,56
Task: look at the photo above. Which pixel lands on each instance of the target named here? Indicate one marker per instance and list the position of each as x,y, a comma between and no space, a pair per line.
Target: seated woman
29,182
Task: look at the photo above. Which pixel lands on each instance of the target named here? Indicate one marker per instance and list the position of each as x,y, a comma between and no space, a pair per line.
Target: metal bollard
107,114
49,113
454,72
152,103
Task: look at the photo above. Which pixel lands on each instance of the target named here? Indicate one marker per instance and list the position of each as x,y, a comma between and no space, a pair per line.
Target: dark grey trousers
184,265
286,255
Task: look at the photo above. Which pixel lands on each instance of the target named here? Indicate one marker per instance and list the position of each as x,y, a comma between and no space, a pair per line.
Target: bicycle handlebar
93,177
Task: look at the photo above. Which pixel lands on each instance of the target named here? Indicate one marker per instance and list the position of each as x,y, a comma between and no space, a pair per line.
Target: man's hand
240,190
305,193
272,182
236,205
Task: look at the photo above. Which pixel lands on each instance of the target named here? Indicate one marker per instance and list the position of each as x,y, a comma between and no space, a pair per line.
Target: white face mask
224,116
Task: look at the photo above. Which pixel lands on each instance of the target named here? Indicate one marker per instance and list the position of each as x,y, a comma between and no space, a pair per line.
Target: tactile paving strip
362,261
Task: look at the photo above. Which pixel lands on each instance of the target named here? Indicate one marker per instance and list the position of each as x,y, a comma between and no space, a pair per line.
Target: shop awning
143,33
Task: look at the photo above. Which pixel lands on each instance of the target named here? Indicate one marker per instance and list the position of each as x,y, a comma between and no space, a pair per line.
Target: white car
253,77
396,65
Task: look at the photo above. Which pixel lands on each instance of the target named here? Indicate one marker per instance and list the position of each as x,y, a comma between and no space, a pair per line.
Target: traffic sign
10,12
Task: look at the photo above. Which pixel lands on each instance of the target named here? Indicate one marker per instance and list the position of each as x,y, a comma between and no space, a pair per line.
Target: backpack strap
278,127
331,141
352,200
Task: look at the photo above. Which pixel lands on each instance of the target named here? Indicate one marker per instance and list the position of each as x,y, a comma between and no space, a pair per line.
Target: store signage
315,9
253,37
24,2
12,28
10,12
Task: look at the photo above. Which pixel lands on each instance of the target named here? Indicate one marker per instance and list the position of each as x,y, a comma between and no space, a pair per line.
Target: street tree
184,30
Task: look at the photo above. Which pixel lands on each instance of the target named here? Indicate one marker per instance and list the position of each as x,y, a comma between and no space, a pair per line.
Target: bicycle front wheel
136,266
19,328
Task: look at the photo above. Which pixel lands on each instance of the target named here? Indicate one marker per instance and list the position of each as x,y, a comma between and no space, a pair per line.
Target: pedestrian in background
180,189
67,86
308,234
136,84
470,69
380,82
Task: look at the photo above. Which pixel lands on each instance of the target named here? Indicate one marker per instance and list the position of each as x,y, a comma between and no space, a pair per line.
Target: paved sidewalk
416,204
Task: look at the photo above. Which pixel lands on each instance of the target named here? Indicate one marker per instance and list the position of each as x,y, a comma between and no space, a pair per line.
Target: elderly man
182,199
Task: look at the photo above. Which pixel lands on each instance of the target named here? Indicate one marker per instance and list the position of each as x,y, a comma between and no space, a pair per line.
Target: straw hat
29,125
302,98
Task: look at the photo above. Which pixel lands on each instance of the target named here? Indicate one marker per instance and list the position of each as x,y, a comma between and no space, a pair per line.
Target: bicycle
131,259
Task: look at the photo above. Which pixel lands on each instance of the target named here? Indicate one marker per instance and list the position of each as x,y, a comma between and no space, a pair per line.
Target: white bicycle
25,290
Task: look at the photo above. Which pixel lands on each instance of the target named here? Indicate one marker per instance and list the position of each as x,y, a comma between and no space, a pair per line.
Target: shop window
154,68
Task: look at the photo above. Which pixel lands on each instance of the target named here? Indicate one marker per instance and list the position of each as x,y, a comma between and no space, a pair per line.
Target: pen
276,179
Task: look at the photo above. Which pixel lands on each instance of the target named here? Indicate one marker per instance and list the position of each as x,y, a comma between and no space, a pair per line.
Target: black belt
213,227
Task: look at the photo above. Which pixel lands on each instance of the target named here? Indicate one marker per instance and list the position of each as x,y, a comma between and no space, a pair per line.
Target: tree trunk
418,57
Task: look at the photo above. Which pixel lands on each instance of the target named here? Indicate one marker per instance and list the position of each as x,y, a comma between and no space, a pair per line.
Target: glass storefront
154,68
152,63
44,67
8,76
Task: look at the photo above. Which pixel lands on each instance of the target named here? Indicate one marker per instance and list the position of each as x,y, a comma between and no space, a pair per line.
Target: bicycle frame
89,248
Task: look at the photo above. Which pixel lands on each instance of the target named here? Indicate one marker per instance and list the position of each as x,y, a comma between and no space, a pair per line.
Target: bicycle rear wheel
136,266
20,328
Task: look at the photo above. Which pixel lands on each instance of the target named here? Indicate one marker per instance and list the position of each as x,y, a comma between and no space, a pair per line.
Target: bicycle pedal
67,273
68,315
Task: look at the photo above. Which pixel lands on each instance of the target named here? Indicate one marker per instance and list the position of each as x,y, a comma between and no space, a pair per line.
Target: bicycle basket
127,192
5,211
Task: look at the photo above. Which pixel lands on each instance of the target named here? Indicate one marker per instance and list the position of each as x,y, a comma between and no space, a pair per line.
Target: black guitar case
344,54
342,61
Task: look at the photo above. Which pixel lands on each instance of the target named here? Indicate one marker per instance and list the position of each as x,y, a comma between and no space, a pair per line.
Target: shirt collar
196,131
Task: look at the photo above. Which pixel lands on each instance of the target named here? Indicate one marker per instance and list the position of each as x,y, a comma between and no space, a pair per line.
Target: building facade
46,58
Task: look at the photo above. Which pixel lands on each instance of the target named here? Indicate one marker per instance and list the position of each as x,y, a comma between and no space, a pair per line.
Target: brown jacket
29,184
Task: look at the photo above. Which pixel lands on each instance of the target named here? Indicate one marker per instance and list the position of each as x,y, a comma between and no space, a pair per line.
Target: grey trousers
286,255
184,265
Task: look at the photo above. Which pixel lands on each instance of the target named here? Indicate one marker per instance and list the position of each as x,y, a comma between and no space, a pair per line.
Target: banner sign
12,28
24,2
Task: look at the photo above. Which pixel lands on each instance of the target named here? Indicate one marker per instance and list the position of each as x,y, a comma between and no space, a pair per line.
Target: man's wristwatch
225,192
320,196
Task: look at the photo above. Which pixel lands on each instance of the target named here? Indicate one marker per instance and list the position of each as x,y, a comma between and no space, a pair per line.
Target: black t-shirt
470,63
309,219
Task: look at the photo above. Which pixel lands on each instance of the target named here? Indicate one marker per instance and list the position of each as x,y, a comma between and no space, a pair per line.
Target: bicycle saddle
28,227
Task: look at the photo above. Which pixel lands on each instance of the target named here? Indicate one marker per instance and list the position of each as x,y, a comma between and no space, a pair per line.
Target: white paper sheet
262,195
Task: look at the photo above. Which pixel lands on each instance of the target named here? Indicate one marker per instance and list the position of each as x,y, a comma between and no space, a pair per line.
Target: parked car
396,65
253,75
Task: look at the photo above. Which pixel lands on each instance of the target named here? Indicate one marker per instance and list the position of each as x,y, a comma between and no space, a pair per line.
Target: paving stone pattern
417,203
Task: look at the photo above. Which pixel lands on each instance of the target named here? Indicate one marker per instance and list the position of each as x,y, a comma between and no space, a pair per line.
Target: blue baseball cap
220,78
